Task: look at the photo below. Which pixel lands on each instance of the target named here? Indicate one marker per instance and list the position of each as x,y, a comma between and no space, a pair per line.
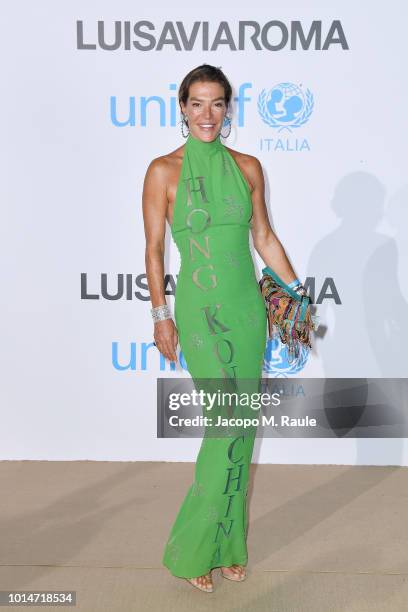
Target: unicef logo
276,358
285,106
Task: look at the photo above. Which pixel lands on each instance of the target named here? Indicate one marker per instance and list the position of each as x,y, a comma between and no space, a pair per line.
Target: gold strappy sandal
207,586
236,577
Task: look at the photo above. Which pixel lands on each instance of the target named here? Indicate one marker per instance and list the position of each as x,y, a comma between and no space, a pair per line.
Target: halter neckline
203,146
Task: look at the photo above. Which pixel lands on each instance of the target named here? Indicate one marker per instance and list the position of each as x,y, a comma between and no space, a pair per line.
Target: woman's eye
217,104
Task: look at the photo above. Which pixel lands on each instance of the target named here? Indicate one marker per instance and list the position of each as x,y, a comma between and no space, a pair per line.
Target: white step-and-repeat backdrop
89,99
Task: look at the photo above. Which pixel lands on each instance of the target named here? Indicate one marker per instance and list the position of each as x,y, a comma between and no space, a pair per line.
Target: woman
211,197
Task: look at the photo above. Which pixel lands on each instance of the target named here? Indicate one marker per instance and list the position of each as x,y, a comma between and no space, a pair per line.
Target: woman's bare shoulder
245,158
249,165
167,160
162,169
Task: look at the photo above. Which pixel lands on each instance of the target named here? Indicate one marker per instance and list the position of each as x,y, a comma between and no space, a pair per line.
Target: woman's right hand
166,338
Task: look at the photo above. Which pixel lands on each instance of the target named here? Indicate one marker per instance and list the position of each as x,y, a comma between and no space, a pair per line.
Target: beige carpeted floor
321,538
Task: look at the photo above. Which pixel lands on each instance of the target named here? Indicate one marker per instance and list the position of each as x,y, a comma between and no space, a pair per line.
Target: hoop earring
230,126
183,123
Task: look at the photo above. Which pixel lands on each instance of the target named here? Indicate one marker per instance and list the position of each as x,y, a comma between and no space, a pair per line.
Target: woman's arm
154,205
265,240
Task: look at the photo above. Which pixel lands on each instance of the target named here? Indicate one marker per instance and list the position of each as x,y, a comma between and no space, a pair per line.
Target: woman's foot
234,572
204,583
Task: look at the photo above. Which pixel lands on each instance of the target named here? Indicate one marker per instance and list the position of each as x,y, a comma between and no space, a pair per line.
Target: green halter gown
220,316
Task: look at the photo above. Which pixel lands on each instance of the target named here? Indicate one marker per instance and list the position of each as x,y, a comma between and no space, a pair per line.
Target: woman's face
205,109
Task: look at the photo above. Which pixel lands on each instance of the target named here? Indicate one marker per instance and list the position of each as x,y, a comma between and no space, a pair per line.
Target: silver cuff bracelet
160,313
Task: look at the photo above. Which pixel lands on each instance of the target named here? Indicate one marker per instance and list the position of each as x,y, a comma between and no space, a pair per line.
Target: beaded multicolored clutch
287,312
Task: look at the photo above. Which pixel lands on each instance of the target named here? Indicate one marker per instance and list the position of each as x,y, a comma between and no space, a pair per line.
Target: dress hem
205,571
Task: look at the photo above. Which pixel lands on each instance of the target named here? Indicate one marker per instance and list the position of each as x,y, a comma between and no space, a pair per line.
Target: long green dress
221,321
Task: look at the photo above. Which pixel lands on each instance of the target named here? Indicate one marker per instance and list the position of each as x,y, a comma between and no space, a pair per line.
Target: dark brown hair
205,72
